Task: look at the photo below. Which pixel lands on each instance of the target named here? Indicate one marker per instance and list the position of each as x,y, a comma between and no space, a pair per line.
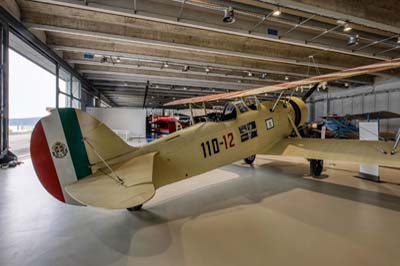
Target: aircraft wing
381,66
359,151
102,190
367,116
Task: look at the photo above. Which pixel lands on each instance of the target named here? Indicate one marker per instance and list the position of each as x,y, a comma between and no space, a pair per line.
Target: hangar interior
122,60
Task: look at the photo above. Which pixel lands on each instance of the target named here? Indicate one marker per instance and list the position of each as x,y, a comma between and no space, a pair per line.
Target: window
242,108
64,81
70,93
76,88
32,91
76,104
229,112
251,102
63,101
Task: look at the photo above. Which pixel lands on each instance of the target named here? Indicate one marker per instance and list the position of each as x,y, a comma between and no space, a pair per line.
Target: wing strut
396,144
309,92
276,102
294,127
191,113
116,177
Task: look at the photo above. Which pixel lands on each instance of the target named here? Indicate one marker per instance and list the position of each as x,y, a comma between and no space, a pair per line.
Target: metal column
4,90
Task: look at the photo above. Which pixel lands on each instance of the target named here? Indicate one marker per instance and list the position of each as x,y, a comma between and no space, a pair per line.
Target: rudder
69,145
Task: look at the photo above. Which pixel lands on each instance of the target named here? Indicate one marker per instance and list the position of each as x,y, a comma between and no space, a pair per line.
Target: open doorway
32,89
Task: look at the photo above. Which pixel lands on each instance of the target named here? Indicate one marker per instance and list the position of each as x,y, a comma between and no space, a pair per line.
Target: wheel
250,160
135,208
316,167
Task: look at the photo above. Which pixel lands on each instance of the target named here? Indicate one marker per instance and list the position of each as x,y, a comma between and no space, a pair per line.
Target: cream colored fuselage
209,145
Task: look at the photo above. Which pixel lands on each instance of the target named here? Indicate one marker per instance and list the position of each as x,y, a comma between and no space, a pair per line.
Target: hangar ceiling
148,52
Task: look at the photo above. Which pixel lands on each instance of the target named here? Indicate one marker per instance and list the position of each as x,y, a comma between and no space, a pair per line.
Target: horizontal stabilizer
358,151
104,189
69,145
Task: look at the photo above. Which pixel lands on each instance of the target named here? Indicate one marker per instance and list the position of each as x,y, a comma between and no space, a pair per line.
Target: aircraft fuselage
209,145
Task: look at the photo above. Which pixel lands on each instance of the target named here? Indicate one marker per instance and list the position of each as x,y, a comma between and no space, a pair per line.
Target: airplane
80,161
345,127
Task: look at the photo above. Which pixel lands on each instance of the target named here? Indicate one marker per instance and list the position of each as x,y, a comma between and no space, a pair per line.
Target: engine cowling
298,111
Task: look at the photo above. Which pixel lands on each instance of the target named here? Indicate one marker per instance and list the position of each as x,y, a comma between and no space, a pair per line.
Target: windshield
242,107
229,112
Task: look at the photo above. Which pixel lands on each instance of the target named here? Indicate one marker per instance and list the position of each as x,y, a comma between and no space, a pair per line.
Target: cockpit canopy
232,109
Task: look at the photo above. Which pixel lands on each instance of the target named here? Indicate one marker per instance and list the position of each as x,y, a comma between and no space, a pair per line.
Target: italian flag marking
58,152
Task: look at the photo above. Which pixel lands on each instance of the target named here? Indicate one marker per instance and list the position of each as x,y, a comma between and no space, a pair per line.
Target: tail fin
67,145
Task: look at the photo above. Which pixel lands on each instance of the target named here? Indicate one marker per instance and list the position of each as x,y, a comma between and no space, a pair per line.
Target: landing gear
250,160
316,167
135,208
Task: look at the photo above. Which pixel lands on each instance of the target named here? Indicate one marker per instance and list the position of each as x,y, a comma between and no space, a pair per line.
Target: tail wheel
316,167
250,160
135,208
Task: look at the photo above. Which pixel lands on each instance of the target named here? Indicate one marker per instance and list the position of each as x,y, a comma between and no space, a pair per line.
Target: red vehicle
166,124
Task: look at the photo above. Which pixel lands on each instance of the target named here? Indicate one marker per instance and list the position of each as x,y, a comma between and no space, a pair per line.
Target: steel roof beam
204,26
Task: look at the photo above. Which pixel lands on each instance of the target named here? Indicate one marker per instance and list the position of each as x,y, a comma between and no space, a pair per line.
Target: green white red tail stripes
58,152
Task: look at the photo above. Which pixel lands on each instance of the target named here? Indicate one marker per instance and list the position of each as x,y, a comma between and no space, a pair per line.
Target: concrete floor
271,214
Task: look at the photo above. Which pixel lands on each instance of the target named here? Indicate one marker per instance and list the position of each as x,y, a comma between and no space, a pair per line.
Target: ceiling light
340,22
249,74
213,90
173,98
185,68
207,69
229,15
184,88
347,28
264,75
286,78
398,39
353,40
103,60
125,84
118,60
346,85
165,65
277,12
157,86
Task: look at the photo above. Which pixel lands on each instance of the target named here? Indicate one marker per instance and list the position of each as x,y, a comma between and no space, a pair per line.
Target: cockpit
231,110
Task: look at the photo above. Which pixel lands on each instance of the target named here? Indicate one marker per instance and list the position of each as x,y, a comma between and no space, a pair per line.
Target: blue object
340,126
273,32
88,56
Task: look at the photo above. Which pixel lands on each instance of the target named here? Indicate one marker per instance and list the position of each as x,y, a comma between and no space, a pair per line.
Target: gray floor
270,214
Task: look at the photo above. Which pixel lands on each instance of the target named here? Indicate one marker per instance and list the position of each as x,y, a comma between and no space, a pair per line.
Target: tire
135,208
316,167
250,159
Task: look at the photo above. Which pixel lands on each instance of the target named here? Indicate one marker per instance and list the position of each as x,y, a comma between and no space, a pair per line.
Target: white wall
131,119
383,96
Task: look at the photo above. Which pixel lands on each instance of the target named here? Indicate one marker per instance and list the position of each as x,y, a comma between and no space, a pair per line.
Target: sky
31,88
